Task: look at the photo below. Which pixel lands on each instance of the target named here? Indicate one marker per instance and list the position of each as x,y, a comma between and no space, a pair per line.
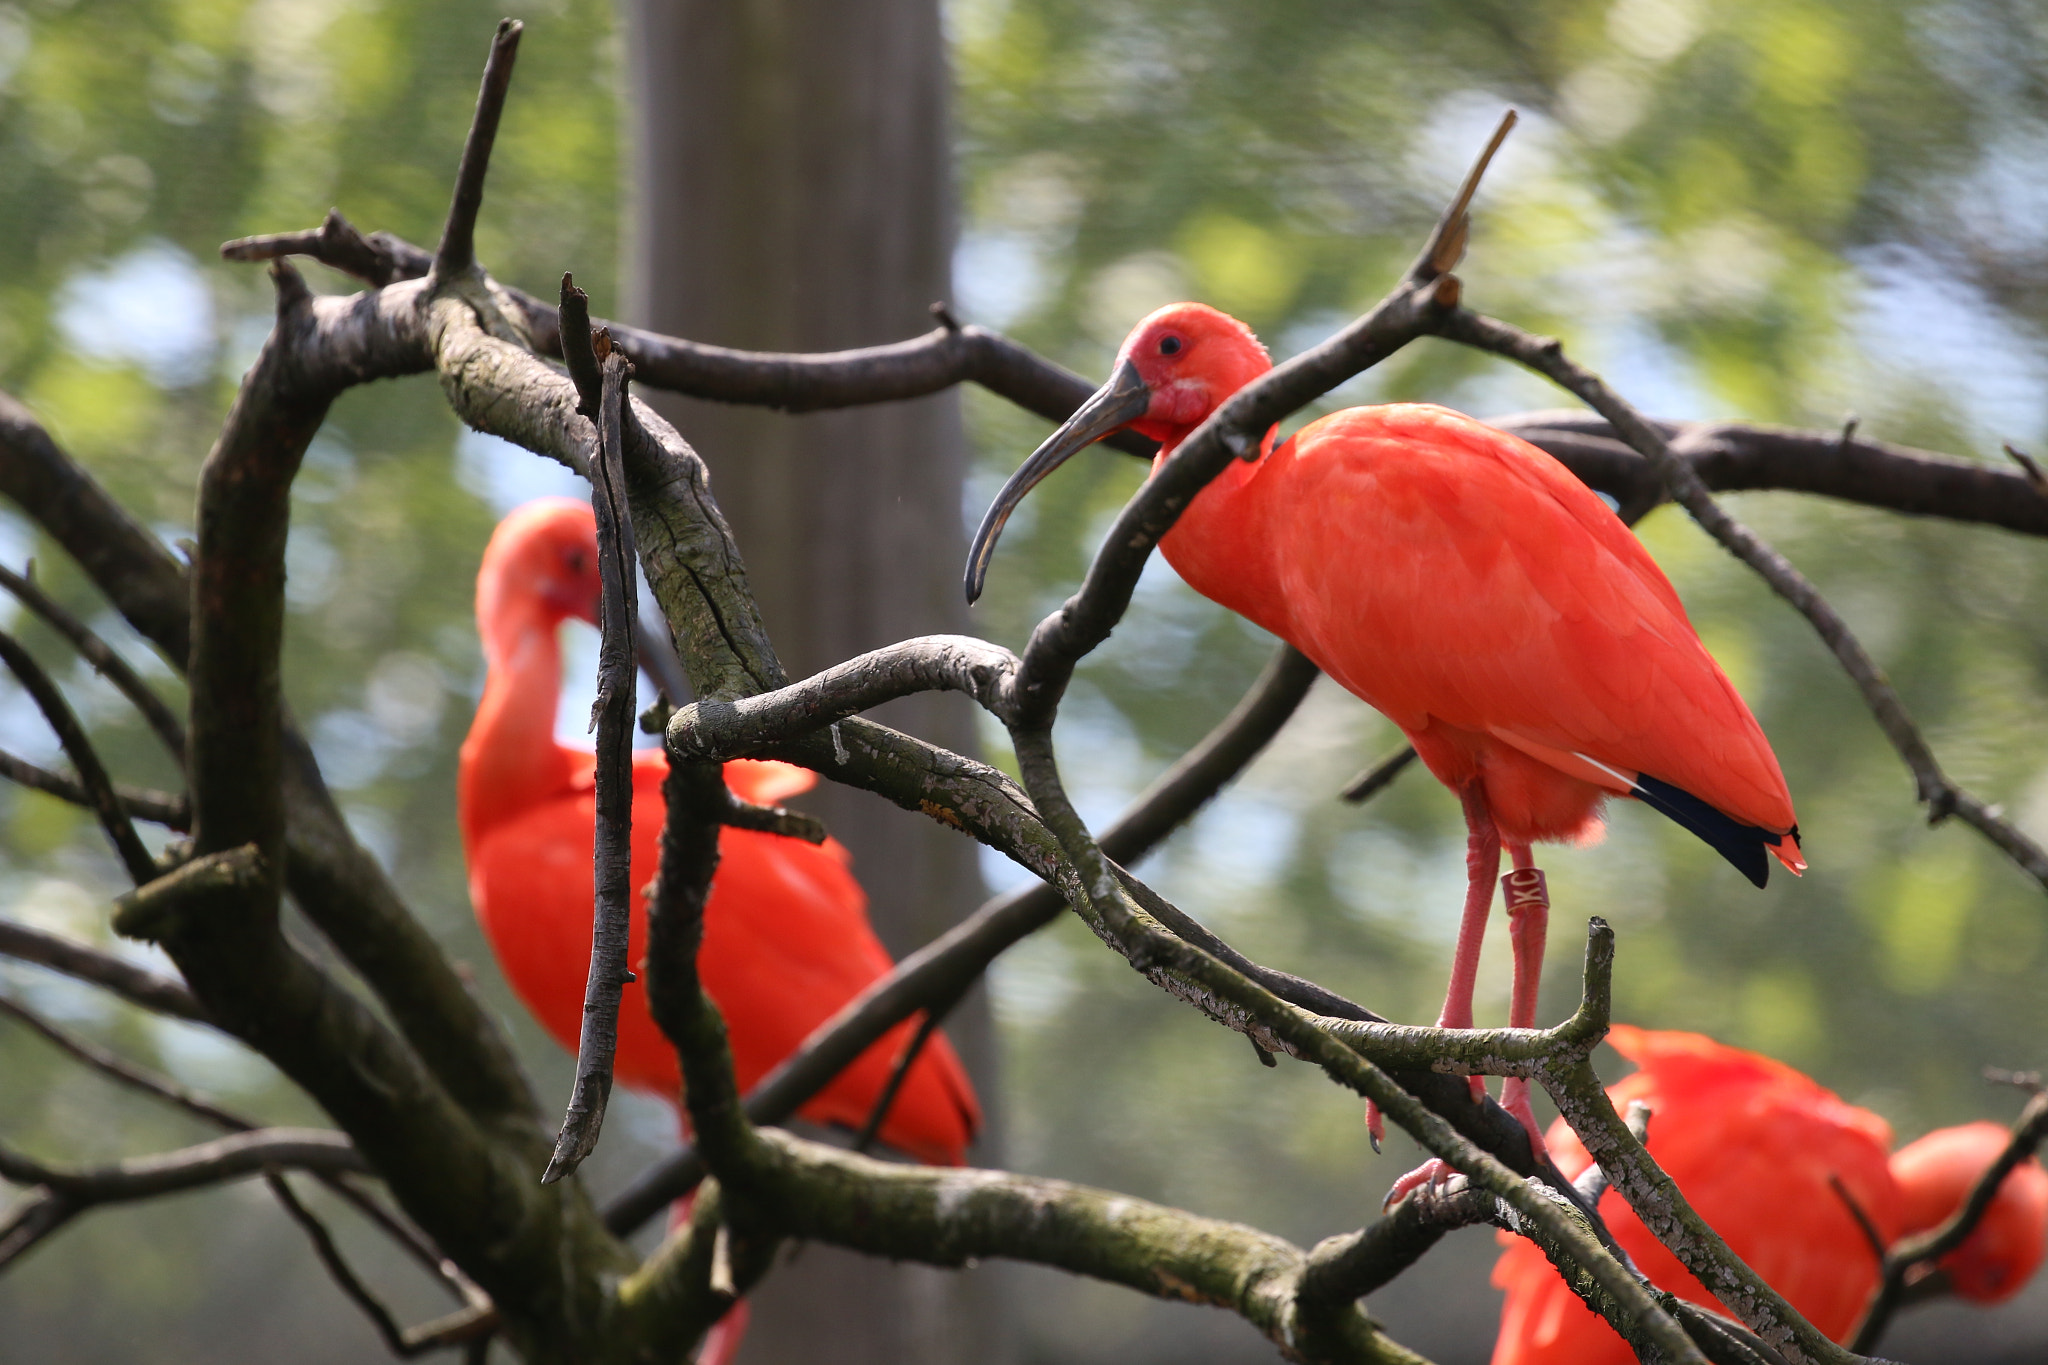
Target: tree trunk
792,192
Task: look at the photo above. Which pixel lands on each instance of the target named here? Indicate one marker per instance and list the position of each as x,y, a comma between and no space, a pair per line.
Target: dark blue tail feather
1746,846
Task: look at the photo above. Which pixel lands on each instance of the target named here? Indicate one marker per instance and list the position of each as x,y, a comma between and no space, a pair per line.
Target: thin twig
1379,776
92,774
380,258
612,717
1872,1238
101,1060
102,657
778,820
2029,466
134,984
207,1163
906,1059
141,803
338,1268
203,1107
457,252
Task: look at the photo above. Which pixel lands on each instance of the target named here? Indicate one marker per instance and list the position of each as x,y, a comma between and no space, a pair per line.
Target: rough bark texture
791,172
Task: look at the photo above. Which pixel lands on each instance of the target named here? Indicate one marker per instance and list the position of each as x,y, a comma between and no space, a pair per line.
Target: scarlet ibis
1461,581
2003,1251
1757,1149
786,935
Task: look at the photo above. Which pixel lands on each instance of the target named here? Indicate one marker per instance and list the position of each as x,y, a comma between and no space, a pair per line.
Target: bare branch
339,885
104,660
208,1163
778,820
92,774
905,1059
1732,457
1656,1199
139,576
134,984
612,716
947,966
134,1077
337,1266
1379,776
715,730
942,1216
380,258
1544,1210
457,252
2036,479
139,803
157,909
202,1107
1446,244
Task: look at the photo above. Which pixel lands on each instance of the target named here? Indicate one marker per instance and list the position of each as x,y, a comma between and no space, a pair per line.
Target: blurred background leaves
1785,212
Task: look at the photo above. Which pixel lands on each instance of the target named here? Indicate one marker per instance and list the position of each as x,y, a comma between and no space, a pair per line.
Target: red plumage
1753,1143
1463,583
2003,1251
786,936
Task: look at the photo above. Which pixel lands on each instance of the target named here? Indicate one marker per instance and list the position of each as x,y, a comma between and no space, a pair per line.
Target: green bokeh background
1787,212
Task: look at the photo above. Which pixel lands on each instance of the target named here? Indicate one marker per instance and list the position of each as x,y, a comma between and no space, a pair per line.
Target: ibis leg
1482,867
1528,906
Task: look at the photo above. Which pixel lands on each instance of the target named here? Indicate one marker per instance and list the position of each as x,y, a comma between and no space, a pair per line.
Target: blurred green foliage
1779,211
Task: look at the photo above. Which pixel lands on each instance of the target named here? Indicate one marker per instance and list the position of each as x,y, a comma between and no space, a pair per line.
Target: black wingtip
1746,846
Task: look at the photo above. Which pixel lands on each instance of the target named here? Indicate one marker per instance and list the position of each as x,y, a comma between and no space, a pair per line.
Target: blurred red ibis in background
786,935
1769,1159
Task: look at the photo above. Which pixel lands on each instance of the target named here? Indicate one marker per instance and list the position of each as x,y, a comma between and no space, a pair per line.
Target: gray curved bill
1115,405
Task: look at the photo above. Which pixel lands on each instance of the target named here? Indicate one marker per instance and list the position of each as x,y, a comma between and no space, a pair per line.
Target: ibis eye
575,561
1169,346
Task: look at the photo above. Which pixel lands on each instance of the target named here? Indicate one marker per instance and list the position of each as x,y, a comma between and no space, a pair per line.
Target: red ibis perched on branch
1461,581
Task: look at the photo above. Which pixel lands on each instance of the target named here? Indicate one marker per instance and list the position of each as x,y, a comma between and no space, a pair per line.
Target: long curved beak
1115,405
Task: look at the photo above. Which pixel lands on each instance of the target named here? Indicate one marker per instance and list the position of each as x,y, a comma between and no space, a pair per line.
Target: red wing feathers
1448,572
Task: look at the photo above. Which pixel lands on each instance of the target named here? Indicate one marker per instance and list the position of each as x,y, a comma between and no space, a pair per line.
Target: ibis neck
1222,546
510,760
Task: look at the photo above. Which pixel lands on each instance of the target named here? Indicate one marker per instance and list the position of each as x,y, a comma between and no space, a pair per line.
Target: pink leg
722,1342
1528,904
1482,866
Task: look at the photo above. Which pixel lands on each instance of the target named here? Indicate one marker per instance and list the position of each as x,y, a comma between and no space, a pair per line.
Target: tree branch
136,985
1734,457
105,661
947,966
337,1266
208,1163
716,730
138,803
92,774
108,1064
457,253
612,716
334,879
1545,1212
